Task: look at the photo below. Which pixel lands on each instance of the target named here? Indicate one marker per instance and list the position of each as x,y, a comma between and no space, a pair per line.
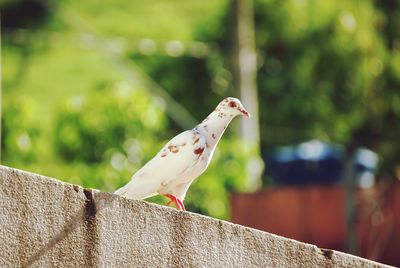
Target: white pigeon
183,158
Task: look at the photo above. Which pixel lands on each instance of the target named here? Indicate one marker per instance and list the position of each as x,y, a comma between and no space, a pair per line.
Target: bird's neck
214,126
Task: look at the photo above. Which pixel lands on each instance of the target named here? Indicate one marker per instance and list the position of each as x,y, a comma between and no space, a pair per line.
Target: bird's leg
181,206
178,203
173,200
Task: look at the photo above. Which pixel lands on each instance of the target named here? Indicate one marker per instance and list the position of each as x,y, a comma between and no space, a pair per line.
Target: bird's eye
232,104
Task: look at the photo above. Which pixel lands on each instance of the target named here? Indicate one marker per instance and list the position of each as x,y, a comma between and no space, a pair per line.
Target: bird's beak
244,112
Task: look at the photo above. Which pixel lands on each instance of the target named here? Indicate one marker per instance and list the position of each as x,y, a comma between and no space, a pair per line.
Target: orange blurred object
316,215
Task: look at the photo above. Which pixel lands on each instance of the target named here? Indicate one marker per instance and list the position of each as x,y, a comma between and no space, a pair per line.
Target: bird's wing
173,161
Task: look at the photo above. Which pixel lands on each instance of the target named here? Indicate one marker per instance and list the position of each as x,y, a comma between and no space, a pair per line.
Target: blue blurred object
316,162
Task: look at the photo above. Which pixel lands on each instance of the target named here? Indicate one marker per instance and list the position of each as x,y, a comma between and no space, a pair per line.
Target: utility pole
350,202
245,78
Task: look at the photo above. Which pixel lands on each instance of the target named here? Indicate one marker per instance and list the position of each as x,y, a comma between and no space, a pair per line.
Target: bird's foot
178,203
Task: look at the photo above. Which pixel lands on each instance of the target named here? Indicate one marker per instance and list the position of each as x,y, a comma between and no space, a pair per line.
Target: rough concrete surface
48,223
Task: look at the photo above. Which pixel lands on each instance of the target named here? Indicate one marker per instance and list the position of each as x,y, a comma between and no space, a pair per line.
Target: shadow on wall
87,217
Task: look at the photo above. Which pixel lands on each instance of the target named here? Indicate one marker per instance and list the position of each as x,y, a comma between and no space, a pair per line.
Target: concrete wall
48,223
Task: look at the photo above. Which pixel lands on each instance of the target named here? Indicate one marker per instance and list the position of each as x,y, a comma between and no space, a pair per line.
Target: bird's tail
134,191
121,191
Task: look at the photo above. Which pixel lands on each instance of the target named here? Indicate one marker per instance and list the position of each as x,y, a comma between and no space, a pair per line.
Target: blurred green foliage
90,126
327,69
19,132
112,130
326,59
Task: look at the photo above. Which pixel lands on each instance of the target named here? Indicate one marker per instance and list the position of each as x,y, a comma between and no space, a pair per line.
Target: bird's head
233,106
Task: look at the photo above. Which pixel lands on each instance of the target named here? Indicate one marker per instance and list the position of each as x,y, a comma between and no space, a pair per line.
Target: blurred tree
316,71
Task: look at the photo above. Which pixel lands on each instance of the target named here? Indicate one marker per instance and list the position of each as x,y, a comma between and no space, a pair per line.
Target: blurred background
91,90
